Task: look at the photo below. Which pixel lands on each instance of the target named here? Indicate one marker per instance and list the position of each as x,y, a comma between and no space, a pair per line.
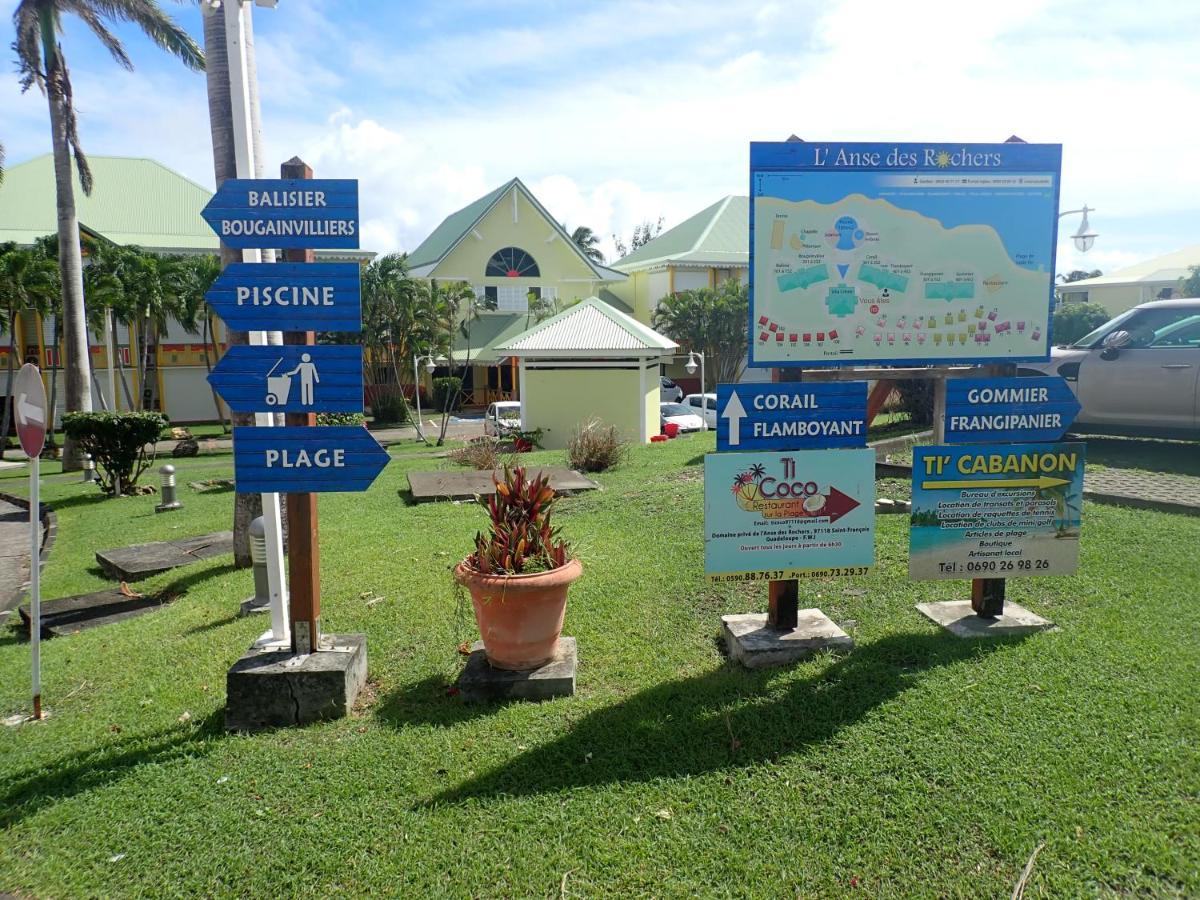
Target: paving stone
140,561
756,646
69,615
14,548
479,681
957,617
1144,490
466,484
275,689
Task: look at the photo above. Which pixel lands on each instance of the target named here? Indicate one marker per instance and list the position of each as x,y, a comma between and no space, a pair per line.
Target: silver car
1137,374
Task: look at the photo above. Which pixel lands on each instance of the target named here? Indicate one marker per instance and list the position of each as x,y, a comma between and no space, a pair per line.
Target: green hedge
443,386
117,442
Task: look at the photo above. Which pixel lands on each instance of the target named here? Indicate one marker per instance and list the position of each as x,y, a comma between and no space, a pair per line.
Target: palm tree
41,61
196,277
27,281
587,241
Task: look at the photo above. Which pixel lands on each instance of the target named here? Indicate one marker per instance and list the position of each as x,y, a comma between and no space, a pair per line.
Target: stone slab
467,484
756,646
251,606
140,561
479,681
269,688
69,615
957,617
1160,491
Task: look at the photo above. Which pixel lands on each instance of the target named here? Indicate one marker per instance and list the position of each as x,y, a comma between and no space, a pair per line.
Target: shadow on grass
25,793
726,718
184,583
214,625
1175,457
78,500
406,497
429,702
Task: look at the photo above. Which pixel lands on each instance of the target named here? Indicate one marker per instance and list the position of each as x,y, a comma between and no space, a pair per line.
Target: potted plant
519,574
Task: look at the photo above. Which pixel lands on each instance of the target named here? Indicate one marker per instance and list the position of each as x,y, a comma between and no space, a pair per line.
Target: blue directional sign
299,460
322,378
791,416
1022,410
288,297
257,212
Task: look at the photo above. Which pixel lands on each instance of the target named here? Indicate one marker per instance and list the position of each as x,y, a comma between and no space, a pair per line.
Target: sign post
31,417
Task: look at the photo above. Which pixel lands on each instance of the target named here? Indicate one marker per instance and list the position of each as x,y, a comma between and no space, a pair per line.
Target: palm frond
106,37
28,45
81,163
150,18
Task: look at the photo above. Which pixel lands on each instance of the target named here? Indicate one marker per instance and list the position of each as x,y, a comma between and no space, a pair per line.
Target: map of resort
864,278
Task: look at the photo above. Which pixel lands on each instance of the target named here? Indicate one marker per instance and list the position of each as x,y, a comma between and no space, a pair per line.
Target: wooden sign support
304,552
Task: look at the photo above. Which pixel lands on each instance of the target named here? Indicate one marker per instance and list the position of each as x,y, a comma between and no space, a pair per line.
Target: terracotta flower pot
520,617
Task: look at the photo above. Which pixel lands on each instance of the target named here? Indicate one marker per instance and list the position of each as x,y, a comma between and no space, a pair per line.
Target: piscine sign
288,296
984,410
248,213
791,416
292,378
296,459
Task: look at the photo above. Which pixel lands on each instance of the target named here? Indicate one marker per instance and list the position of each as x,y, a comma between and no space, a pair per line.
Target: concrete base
270,688
252,606
479,681
957,617
756,646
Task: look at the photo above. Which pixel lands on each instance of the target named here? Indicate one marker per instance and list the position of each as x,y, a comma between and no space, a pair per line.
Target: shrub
483,453
1073,320
388,409
117,442
916,399
354,418
450,386
595,447
520,538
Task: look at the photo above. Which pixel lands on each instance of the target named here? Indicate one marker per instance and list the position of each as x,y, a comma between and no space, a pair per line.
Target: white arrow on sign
28,412
734,412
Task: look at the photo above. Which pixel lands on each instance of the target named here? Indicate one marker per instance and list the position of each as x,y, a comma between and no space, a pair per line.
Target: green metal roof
716,236
589,329
134,201
453,227
489,331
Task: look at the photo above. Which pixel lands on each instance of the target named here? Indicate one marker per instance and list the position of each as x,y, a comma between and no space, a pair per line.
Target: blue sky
615,112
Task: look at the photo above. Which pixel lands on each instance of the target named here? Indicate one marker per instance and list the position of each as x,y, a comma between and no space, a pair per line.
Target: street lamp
1083,237
691,370
430,365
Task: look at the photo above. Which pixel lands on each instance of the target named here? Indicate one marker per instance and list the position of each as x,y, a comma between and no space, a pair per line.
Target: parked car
704,405
682,416
502,418
1137,374
669,391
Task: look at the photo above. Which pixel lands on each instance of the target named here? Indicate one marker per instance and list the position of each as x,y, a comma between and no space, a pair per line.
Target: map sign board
295,459
318,213
325,378
996,511
901,253
791,415
288,296
772,516
1020,410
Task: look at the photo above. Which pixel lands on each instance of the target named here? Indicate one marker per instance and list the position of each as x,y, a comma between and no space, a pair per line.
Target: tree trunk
206,337
70,263
53,405
246,507
8,406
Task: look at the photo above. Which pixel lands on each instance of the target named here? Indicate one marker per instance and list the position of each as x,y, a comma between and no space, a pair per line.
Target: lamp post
429,367
691,370
1083,237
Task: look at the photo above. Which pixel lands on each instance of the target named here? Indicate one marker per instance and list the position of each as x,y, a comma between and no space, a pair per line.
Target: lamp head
1084,237
691,365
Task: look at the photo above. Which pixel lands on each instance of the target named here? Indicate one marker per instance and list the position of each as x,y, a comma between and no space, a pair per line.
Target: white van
502,417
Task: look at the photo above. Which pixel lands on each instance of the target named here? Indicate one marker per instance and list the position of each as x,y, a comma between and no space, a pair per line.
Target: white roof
1167,268
589,329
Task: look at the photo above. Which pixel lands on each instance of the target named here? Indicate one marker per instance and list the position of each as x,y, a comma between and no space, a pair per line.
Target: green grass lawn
917,765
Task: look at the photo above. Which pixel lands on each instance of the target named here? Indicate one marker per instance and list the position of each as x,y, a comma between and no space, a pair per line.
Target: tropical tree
587,241
1189,285
41,61
713,322
1079,275
642,234
195,278
28,281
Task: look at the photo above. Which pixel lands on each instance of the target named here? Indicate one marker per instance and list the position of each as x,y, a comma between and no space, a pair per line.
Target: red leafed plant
521,539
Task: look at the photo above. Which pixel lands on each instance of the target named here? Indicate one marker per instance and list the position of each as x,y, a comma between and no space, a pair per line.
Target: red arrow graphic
838,504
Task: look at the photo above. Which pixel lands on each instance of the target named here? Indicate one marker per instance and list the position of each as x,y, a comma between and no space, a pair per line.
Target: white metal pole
239,92
417,398
35,582
109,352
703,394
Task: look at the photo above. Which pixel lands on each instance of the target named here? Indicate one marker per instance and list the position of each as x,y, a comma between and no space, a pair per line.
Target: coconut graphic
814,504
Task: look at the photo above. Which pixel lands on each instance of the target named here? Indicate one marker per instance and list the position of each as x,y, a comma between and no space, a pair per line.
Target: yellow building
589,362
506,246
1154,279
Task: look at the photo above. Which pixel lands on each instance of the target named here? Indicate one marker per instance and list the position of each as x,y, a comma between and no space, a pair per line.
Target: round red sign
29,409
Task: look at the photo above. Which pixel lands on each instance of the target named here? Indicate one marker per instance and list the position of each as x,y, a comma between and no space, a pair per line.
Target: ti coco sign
788,515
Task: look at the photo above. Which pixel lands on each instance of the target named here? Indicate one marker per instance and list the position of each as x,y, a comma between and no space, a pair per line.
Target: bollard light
89,468
169,500
261,600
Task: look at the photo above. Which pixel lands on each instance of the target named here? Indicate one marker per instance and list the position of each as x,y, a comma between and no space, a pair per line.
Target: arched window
511,262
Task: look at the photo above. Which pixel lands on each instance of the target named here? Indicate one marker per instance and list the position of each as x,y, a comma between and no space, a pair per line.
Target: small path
14,554
1145,490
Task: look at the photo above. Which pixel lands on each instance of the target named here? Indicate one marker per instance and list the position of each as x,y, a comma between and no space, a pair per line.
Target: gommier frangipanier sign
793,514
